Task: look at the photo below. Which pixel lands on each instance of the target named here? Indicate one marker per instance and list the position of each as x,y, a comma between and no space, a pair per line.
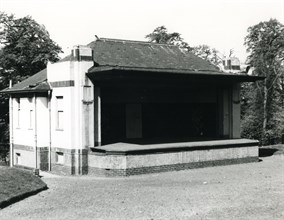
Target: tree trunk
264,122
282,90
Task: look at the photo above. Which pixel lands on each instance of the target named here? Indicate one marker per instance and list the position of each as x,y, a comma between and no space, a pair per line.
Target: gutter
106,70
35,133
11,121
49,122
23,91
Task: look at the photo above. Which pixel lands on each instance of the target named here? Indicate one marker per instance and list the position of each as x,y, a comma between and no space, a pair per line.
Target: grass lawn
241,191
16,184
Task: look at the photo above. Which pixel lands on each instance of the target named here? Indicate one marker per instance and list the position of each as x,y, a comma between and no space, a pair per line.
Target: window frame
60,158
18,159
18,101
59,113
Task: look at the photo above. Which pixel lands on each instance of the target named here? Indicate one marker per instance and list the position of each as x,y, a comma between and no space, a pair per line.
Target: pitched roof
115,54
35,83
137,54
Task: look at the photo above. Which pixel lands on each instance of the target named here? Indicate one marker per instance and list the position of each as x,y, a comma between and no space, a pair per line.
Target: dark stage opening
148,123
179,120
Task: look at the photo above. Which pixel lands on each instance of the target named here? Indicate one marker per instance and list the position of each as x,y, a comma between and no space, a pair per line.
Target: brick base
28,157
75,162
113,162
167,168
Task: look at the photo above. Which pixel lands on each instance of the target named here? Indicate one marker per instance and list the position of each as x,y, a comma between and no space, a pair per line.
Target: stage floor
130,148
124,159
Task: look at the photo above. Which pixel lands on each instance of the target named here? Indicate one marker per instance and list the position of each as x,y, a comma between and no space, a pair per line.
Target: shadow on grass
18,198
267,152
18,184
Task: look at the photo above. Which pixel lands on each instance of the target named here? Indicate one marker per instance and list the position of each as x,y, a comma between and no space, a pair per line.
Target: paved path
245,191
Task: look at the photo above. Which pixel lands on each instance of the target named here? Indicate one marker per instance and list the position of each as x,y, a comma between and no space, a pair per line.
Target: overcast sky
218,23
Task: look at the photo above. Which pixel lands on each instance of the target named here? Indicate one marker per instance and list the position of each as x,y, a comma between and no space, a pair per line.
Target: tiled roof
35,83
138,54
114,54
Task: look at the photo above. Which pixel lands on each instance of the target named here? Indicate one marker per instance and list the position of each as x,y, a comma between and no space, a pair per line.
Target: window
31,119
30,113
59,113
18,159
59,158
18,100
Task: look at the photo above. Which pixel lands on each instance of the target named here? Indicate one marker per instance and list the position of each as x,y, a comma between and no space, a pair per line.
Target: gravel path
245,191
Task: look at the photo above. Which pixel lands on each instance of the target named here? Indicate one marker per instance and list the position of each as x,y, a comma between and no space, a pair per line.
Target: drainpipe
11,128
49,116
35,133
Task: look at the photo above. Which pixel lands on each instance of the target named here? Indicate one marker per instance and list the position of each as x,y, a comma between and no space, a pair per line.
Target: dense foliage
162,36
25,49
263,105
208,53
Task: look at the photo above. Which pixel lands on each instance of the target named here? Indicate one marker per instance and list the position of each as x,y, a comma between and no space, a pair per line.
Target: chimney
229,64
82,53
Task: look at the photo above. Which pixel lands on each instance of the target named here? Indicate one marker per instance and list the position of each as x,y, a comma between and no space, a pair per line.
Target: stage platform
124,159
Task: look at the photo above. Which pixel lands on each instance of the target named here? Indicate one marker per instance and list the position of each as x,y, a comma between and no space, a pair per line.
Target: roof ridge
133,41
159,68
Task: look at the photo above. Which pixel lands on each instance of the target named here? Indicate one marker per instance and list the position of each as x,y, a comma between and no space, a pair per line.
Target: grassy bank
16,184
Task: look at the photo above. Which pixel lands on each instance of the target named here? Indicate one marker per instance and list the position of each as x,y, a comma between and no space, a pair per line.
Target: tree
265,43
161,35
25,49
208,53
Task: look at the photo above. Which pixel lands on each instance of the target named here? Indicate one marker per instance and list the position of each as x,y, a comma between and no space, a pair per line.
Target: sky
221,24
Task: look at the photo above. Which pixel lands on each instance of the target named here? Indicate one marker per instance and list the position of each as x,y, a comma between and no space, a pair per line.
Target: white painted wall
78,117
24,134
62,138
75,134
42,122
59,71
80,94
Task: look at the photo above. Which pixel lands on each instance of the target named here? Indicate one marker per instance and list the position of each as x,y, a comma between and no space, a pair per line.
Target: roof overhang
23,91
104,74
36,83
42,87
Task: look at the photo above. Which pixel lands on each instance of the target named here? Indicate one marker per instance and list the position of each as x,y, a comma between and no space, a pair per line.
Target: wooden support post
236,111
226,113
224,106
98,138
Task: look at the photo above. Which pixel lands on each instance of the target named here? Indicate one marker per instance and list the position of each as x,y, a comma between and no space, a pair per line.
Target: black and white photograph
142,109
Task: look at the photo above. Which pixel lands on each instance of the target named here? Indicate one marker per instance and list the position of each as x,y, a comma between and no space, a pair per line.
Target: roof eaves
150,69
39,87
34,81
25,91
242,77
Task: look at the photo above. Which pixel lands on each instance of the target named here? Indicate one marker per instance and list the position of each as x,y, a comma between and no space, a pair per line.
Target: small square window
59,157
18,159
